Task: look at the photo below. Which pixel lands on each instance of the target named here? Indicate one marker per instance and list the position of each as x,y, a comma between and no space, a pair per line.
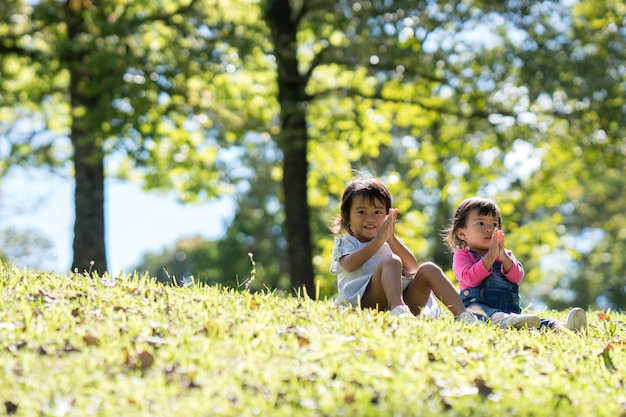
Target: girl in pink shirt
488,274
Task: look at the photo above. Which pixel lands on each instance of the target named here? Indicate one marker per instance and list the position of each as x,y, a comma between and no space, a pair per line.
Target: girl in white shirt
375,269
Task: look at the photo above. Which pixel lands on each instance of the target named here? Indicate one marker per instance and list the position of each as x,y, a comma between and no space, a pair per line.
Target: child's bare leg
385,288
430,277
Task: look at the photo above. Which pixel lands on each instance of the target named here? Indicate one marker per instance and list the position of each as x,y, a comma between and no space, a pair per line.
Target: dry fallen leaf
613,344
302,341
484,390
91,340
10,407
146,360
47,298
299,333
142,361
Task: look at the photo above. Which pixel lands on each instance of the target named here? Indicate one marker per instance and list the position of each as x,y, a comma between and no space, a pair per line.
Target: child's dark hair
368,187
485,207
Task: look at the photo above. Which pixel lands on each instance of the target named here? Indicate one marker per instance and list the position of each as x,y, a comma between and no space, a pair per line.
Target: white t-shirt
351,285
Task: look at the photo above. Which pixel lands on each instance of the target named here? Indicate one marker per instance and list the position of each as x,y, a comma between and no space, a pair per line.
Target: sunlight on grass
83,345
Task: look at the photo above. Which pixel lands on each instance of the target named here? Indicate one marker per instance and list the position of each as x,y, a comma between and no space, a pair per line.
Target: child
375,269
488,274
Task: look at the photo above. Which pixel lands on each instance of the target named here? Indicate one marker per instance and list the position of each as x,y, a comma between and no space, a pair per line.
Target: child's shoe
516,321
466,317
402,311
576,320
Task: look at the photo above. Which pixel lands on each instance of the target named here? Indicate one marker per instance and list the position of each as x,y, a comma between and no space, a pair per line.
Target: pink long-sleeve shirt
471,272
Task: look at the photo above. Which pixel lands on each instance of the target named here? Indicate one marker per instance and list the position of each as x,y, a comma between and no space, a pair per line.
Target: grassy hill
82,345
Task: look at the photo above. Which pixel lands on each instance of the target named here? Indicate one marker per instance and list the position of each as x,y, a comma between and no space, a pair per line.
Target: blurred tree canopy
120,79
28,246
518,100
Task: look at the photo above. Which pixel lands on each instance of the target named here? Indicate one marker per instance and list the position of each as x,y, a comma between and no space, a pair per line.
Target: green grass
80,346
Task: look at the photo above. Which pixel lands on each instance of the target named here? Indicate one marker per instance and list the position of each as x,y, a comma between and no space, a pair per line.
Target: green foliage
447,102
139,80
109,346
579,106
189,261
529,115
223,263
148,81
253,232
521,101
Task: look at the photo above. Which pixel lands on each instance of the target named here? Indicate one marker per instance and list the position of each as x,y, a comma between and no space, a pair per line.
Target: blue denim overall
495,294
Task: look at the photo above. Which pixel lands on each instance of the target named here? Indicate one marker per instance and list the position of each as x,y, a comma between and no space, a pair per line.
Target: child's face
478,230
365,217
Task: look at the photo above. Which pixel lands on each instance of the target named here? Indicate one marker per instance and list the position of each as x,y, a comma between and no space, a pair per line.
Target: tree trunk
293,142
297,224
89,237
